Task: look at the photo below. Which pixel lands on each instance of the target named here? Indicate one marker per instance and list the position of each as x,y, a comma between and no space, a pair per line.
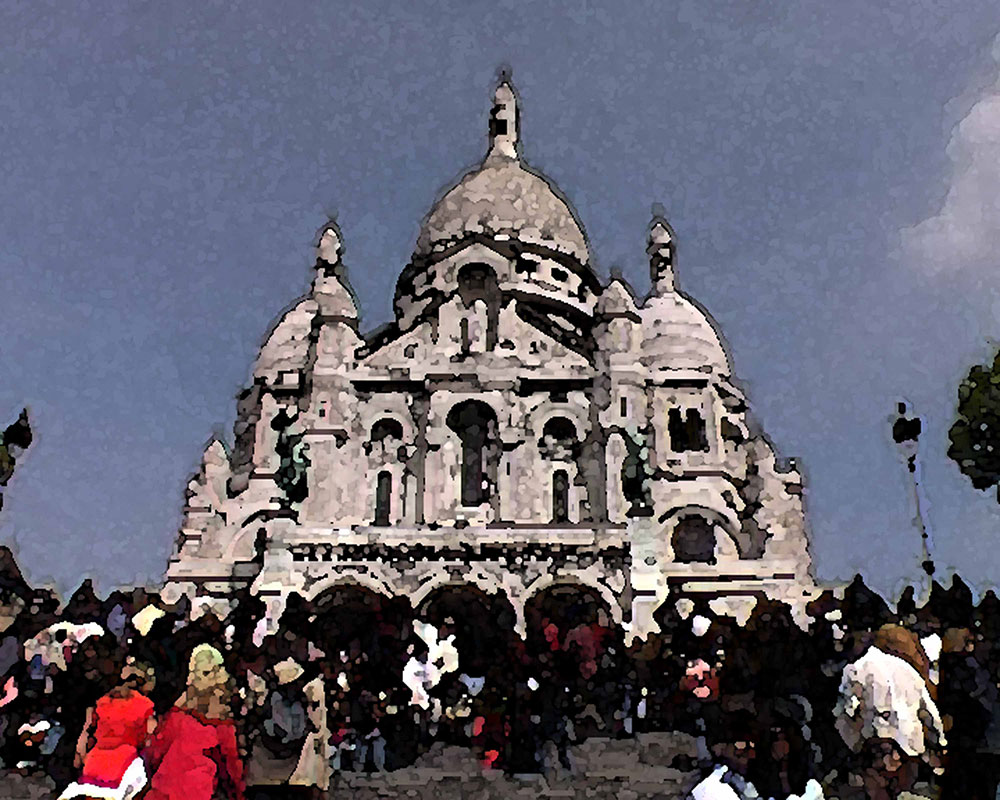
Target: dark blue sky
831,171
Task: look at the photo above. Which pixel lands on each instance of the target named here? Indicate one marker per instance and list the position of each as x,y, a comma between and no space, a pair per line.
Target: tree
975,435
13,440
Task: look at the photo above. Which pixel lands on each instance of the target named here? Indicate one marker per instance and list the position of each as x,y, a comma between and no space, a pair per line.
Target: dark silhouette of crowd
352,683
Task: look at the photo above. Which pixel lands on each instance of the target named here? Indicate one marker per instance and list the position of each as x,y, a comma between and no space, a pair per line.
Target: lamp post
906,428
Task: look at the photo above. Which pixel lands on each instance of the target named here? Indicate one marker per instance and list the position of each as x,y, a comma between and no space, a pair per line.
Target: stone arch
373,412
352,578
387,447
476,280
484,624
243,545
475,253
575,638
385,427
560,428
547,582
480,580
714,517
363,631
693,539
547,411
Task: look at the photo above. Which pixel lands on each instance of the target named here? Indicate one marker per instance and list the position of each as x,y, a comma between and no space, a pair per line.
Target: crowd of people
115,697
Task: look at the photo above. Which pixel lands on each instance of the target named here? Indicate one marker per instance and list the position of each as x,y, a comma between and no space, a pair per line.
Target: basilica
519,428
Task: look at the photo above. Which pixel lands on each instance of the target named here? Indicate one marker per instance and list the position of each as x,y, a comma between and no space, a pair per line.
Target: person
969,699
886,713
698,705
114,731
194,751
369,713
290,749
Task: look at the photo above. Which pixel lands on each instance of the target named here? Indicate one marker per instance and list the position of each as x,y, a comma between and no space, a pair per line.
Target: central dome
503,198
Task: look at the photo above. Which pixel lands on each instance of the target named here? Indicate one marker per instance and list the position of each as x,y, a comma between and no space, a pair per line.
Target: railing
469,543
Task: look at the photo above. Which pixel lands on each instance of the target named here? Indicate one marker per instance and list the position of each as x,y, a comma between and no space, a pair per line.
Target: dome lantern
329,247
661,249
504,139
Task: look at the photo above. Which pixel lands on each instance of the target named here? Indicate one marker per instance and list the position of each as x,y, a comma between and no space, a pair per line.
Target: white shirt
882,696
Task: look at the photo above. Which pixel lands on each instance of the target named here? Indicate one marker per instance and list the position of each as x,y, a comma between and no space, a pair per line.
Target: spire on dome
504,141
661,250
331,288
328,248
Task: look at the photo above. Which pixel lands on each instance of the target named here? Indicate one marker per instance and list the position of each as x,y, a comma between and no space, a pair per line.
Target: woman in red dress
194,750
114,731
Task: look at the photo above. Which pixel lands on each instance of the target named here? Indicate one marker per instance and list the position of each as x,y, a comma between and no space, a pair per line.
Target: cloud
966,231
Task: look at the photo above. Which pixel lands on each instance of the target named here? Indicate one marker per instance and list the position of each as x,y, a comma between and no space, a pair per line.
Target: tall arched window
383,497
560,496
476,426
479,282
694,541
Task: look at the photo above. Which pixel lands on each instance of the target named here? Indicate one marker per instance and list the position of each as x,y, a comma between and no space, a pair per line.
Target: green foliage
975,436
15,437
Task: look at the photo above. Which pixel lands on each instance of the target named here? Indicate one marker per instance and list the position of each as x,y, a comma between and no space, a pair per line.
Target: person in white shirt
887,715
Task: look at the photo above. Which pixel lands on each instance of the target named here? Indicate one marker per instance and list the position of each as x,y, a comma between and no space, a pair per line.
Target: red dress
187,752
120,731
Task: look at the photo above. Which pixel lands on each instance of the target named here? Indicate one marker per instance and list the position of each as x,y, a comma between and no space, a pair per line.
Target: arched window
383,497
560,496
687,432
559,430
479,282
476,426
694,541
559,440
385,428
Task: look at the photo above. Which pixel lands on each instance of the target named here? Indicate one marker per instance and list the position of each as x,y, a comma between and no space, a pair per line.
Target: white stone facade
517,425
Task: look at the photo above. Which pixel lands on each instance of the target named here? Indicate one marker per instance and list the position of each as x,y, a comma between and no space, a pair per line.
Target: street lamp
906,428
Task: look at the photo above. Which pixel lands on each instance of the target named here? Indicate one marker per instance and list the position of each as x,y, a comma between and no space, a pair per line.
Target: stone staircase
654,765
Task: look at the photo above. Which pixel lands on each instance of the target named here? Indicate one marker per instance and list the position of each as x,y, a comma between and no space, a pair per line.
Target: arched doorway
355,625
576,654
364,635
478,689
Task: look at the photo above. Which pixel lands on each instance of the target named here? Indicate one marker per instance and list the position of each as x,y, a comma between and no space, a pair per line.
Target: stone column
418,463
649,586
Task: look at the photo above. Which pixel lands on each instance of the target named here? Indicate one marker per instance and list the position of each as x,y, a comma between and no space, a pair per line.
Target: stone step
604,769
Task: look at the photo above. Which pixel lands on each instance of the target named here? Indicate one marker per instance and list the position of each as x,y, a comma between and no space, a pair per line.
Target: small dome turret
677,333
331,289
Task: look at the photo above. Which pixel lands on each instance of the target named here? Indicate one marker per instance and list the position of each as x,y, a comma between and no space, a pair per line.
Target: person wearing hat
291,744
